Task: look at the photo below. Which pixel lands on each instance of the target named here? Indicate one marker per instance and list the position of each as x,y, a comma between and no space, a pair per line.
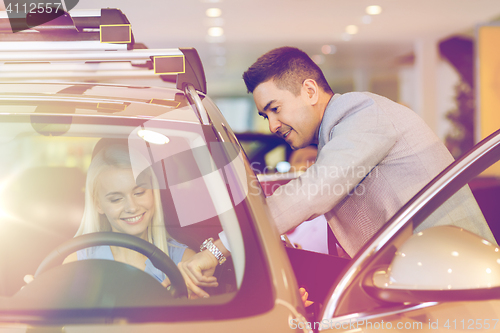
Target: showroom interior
416,52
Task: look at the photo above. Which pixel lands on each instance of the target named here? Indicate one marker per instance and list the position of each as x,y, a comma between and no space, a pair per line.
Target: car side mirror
443,263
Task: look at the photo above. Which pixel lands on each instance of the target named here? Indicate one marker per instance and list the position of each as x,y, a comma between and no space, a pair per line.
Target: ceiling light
373,10
213,12
328,49
153,137
215,31
351,29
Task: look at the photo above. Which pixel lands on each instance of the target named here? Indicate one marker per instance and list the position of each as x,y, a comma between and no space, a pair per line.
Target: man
310,235
373,156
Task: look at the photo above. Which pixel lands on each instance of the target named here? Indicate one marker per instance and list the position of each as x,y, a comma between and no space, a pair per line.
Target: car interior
43,189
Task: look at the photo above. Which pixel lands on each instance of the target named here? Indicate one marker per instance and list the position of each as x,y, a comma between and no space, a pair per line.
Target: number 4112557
41,7
471,324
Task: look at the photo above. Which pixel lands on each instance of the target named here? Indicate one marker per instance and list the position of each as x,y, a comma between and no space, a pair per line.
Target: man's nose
274,124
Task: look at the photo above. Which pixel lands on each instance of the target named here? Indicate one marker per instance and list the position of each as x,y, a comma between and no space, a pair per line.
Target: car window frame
243,304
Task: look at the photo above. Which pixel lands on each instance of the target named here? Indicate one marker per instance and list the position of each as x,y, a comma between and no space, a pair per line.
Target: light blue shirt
175,251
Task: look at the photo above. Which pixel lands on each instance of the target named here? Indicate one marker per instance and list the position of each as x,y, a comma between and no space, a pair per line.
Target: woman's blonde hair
118,155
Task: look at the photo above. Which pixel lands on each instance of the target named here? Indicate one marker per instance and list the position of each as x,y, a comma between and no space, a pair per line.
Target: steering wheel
158,258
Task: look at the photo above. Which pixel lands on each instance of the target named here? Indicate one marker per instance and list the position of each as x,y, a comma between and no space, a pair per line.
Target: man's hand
304,295
198,271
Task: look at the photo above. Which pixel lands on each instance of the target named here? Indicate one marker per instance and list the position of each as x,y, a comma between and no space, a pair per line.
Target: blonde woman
116,201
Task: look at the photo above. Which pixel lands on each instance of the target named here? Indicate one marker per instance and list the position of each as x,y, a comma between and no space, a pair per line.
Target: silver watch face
205,243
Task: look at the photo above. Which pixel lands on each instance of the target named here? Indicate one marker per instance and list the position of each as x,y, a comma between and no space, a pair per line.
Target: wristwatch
209,245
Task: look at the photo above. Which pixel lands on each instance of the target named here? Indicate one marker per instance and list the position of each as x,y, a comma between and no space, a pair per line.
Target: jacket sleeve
356,135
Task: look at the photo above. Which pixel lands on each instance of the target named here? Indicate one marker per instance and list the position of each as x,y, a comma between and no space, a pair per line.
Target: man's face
289,116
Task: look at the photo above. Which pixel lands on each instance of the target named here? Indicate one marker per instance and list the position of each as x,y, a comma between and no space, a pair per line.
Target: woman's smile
134,220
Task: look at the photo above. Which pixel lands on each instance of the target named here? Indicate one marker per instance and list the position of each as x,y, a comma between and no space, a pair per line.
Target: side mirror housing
443,263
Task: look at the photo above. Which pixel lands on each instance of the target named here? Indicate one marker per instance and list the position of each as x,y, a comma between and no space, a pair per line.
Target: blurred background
397,48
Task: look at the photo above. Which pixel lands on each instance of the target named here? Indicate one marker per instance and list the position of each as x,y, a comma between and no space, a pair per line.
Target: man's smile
285,133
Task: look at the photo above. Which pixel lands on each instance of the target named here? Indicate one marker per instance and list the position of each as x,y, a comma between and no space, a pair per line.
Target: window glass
45,191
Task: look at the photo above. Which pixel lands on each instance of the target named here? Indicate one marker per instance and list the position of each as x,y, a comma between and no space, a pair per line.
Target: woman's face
129,207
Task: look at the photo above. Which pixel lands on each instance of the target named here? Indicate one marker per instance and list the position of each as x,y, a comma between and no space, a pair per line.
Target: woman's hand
166,283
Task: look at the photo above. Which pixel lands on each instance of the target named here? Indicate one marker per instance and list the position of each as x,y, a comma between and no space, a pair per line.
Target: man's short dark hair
288,66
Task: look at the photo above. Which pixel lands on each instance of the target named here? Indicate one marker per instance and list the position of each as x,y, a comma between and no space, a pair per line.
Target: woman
116,201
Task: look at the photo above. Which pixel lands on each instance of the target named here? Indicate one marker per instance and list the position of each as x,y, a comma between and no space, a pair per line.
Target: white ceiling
253,27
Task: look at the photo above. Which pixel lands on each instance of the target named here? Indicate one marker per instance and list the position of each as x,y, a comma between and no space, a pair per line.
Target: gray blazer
373,156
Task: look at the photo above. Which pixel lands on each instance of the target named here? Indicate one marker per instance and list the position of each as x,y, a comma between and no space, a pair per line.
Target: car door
436,279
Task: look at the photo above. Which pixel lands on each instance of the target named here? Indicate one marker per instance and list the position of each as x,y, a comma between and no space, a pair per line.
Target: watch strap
209,245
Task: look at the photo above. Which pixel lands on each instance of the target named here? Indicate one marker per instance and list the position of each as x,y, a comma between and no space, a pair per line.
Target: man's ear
311,90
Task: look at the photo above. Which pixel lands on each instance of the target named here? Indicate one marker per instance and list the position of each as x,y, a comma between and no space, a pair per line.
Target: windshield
177,180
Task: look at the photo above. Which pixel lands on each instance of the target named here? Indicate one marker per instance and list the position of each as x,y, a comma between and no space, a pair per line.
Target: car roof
97,99
58,63
92,45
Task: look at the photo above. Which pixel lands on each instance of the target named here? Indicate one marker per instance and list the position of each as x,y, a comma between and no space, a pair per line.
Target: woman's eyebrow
141,185
113,193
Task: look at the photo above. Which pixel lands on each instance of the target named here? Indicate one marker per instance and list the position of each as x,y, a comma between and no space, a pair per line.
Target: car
266,152
50,132
438,279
